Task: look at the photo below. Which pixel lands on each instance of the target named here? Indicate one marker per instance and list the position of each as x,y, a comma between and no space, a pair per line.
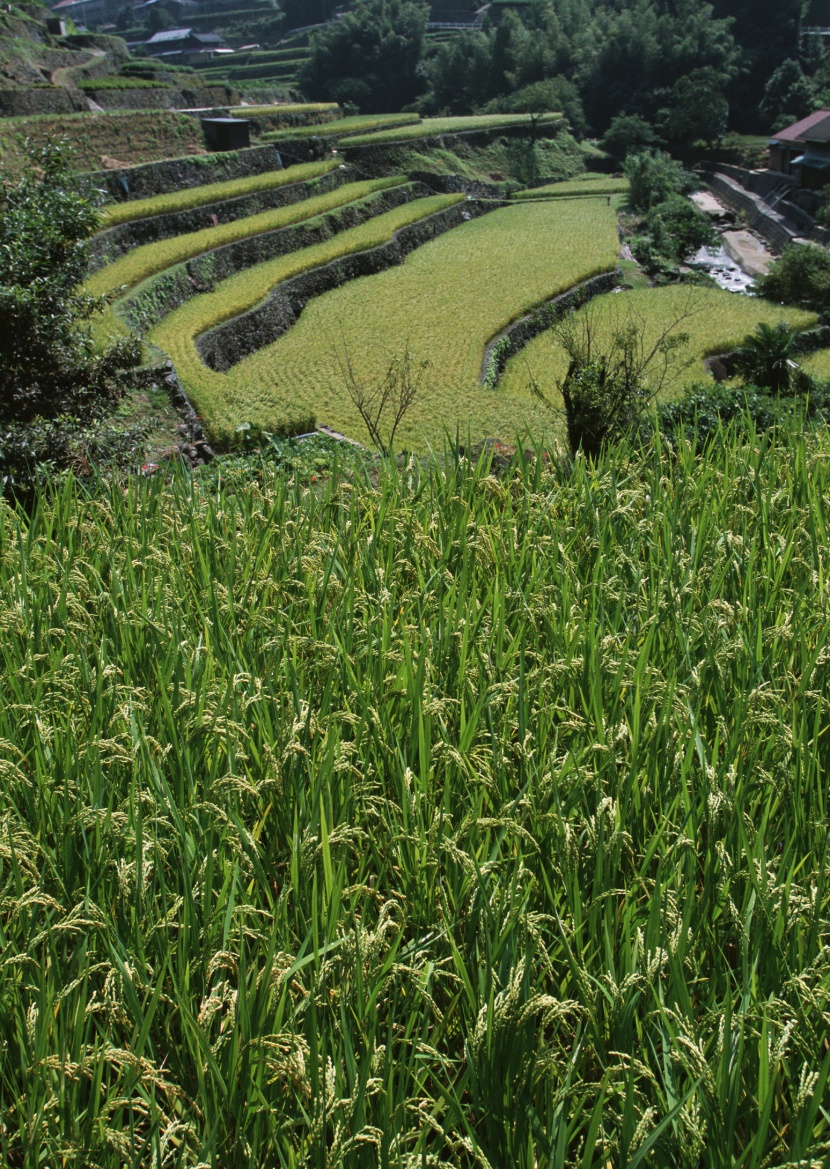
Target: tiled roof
816,128
172,34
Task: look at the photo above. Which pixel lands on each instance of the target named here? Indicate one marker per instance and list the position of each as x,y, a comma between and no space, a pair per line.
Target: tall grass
429,127
432,820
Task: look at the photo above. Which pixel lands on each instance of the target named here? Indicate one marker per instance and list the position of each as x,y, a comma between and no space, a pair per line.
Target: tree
679,229
628,134
768,32
699,109
788,96
369,57
616,370
654,177
384,403
556,95
48,369
801,277
767,356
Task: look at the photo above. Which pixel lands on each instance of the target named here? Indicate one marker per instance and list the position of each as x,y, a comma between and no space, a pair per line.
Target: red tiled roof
816,128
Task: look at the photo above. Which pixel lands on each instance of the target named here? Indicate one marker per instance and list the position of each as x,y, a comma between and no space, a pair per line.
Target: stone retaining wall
162,98
50,99
163,293
513,339
774,228
178,174
225,346
122,238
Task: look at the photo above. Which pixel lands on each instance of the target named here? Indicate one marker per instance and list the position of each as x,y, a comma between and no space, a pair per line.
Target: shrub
47,368
679,229
801,277
655,177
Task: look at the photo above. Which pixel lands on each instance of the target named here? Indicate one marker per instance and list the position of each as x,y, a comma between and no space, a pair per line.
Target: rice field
604,185
115,213
447,300
818,363
431,127
287,111
135,266
432,820
718,323
361,123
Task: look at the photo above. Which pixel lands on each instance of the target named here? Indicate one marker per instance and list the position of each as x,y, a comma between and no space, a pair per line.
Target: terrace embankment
225,346
177,174
512,340
124,237
164,293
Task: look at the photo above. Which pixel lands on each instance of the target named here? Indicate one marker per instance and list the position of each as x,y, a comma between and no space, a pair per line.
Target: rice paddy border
233,340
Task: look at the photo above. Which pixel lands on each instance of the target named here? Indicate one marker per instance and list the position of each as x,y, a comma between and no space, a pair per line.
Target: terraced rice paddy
445,303
719,321
343,127
190,197
137,265
593,186
432,127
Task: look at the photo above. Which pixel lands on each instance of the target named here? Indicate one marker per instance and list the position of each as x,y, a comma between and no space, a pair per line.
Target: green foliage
628,134
678,229
380,820
788,96
705,409
654,177
369,57
699,109
47,370
542,97
767,356
716,321
800,277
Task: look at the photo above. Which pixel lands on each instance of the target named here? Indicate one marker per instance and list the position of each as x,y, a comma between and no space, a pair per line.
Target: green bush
801,277
48,371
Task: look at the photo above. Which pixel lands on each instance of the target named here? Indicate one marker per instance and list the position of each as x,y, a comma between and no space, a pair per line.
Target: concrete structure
226,133
803,151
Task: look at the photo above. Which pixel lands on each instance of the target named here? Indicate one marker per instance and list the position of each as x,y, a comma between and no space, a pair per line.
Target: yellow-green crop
342,127
129,270
444,303
420,819
592,186
115,213
718,322
431,127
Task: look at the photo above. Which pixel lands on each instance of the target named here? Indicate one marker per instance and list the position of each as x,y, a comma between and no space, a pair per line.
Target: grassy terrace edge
114,214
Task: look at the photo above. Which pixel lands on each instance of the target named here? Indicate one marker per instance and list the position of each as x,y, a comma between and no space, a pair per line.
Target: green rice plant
603,185
211,193
131,269
287,111
432,127
818,363
420,817
718,322
343,127
447,300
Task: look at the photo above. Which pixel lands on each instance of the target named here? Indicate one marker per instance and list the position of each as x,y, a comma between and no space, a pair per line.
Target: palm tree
767,356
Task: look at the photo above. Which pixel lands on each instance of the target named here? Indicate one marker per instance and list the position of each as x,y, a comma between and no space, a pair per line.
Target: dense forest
683,68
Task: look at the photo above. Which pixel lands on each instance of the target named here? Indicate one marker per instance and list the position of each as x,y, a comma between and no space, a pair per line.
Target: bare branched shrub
614,375
384,402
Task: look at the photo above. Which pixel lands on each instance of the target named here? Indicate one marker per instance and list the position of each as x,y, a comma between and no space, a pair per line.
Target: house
89,13
803,151
180,44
